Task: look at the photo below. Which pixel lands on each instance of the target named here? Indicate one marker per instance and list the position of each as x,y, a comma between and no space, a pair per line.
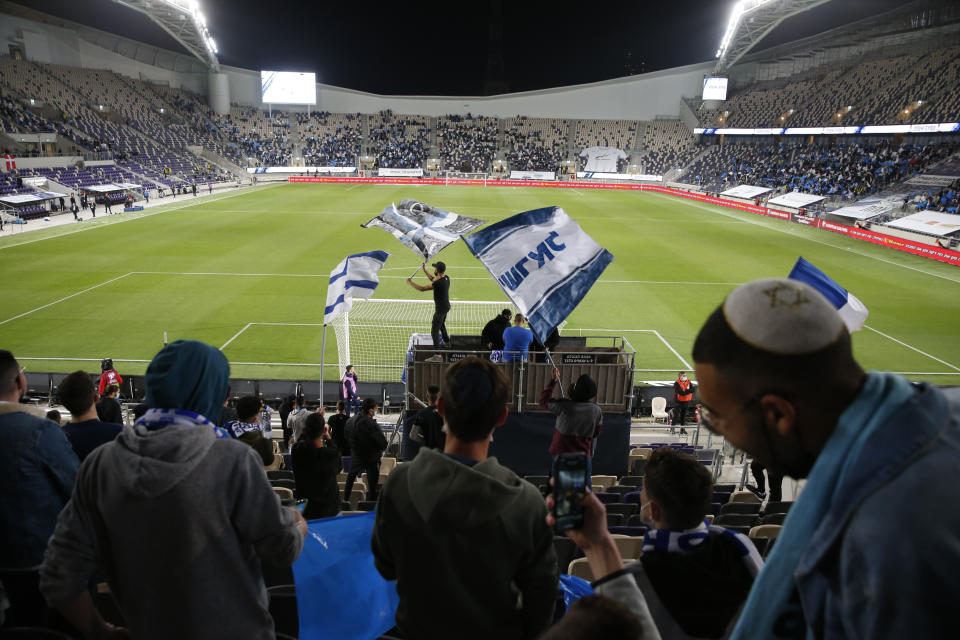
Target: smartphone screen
569,488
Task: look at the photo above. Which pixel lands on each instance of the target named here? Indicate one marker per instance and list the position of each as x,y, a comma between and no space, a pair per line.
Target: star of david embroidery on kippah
782,295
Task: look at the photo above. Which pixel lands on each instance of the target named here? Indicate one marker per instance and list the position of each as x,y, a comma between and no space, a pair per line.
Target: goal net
449,176
375,335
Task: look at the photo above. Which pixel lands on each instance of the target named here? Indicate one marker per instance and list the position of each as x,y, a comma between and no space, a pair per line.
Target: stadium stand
467,143
535,143
400,141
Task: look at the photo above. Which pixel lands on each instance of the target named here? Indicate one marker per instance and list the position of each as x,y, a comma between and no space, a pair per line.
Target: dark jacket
701,590
365,437
431,426
88,435
337,423
315,471
37,471
578,423
493,333
108,410
474,539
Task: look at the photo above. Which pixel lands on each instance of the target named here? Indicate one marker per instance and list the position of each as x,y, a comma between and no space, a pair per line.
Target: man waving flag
355,277
853,312
543,261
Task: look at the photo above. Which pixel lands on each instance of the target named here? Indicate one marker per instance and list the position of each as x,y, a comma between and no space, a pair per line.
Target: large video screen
714,88
288,87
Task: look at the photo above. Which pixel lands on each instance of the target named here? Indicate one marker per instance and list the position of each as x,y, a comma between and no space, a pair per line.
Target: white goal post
459,175
375,335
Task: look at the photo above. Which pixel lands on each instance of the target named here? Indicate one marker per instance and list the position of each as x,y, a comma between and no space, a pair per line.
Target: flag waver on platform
543,261
853,312
355,277
423,228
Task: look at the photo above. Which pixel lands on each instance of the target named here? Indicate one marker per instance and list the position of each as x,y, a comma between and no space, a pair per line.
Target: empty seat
765,531
604,481
777,507
773,518
720,496
744,496
761,544
281,474
737,519
615,519
638,466
740,507
581,569
621,489
630,547
283,493
636,520
658,410
727,488
283,482
608,498
633,496
739,529
632,480
629,530
625,509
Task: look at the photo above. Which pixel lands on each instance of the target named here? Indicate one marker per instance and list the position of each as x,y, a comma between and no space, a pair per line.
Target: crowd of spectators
535,144
842,172
400,141
467,143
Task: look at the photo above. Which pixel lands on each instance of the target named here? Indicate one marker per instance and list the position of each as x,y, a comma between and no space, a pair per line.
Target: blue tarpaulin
340,594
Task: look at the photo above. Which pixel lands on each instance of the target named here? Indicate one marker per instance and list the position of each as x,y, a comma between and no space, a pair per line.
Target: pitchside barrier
908,246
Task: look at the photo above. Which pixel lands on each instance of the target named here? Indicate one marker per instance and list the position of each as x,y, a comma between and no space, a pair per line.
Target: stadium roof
422,49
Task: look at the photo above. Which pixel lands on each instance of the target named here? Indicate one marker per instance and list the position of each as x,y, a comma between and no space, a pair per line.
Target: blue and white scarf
687,540
772,592
160,418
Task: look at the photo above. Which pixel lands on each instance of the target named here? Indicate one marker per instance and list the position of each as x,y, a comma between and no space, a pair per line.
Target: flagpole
323,358
550,360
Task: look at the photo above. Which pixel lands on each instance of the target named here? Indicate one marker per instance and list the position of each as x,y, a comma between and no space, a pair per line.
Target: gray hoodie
469,548
179,521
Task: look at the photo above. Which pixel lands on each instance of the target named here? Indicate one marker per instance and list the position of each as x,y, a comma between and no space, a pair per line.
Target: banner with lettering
543,261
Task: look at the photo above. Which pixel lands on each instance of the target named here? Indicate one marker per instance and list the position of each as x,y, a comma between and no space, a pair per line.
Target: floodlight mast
750,22
185,23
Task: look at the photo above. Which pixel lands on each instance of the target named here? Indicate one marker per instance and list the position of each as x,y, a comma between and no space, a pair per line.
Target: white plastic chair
659,406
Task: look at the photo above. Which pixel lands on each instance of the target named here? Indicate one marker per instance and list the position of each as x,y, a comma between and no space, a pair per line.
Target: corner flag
423,228
543,261
355,277
853,312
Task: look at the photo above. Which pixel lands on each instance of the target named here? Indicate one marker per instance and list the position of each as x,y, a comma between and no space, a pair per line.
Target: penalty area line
924,353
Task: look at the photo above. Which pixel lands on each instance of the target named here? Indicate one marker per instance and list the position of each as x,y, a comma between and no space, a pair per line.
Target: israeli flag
543,261
425,229
853,312
355,277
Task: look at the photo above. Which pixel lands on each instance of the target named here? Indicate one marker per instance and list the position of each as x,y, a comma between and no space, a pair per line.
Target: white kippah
782,316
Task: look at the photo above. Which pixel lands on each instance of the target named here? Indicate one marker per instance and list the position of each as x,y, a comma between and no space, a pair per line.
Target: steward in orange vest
683,394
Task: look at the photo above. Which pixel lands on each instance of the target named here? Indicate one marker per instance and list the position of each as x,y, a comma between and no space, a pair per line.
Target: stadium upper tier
901,89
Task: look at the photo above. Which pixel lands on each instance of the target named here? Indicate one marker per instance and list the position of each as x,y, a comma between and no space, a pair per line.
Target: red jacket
109,376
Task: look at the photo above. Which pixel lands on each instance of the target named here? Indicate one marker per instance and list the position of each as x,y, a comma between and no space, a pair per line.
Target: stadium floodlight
184,21
751,21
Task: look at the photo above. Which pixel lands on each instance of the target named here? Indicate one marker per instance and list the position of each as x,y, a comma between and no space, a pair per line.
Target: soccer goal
449,176
375,335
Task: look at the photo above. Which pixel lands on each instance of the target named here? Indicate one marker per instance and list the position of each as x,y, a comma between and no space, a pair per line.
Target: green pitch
207,269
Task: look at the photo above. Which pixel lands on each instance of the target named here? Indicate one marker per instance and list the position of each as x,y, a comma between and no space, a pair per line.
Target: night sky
443,48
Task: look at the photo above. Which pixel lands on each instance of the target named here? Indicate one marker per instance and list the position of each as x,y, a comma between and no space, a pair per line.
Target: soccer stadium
664,319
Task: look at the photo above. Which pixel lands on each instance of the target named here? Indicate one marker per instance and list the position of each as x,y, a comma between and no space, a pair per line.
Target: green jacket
466,546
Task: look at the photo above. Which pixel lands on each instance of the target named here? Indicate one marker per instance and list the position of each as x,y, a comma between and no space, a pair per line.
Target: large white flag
423,228
853,312
543,261
355,277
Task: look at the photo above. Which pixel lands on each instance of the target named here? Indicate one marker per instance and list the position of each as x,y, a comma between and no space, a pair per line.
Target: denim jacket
883,562
37,470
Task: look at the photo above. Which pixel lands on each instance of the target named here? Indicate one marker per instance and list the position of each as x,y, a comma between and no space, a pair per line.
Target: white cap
782,316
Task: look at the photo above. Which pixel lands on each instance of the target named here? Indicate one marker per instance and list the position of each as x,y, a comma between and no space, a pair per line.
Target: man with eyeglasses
871,545
37,471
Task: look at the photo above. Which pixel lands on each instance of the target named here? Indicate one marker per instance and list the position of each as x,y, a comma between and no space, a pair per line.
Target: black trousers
682,412
357,466
438,328
776,481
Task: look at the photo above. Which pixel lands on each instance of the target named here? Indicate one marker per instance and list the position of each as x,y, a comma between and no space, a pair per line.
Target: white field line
50,304
760,223
112,221
235,336
685,363
900,342
79,359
